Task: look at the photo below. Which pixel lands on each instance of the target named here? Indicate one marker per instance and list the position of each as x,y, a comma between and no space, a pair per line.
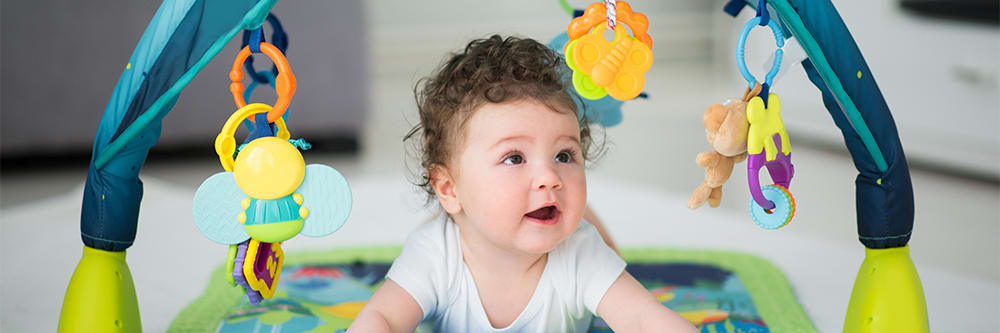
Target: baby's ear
444,189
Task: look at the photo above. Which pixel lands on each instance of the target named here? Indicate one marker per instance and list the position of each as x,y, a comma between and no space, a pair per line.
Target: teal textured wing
216,208
327,196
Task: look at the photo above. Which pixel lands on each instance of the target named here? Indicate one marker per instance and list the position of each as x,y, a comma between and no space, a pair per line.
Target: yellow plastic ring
225,142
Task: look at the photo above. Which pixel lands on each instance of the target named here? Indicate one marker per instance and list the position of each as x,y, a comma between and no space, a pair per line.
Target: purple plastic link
781,170
241,255
264,252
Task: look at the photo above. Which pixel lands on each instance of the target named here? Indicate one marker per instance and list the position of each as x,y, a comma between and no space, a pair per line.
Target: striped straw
610,5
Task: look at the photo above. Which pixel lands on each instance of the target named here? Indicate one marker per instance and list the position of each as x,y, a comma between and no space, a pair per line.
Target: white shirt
577,274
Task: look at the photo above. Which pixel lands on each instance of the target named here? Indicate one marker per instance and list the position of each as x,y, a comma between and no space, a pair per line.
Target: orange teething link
284,83
596,14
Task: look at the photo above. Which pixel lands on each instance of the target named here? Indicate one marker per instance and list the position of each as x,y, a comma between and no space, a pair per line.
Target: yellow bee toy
266,195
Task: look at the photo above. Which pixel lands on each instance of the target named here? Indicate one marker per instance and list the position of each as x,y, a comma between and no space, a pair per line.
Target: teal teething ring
784,208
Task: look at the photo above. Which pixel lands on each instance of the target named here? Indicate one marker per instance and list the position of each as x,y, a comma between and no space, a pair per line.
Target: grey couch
61,60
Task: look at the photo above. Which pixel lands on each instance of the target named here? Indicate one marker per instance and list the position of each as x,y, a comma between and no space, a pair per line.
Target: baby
504,150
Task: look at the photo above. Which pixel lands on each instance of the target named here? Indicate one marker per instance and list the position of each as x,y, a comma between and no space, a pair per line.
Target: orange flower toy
601,67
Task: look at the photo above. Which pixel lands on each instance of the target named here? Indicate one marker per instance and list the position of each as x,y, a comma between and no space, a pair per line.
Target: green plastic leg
887,296
100,296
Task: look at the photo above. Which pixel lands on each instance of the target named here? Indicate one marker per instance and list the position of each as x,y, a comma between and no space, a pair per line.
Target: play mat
718,291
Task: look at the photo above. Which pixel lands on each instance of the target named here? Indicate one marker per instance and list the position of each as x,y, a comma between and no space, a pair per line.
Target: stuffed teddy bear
726,129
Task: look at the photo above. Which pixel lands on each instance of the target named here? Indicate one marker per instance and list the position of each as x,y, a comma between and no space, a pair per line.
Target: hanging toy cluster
755,121
601,67
267,193
772,206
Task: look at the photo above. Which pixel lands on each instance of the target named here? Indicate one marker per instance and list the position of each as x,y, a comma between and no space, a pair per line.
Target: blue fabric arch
884,193
182,37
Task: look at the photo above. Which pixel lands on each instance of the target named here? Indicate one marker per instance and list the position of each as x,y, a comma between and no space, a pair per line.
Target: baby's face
519,176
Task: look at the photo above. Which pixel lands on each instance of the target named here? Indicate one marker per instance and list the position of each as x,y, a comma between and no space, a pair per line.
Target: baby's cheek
500,200
577,185
576,197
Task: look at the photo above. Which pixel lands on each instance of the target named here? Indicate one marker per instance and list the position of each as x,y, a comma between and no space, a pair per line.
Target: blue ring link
267,75
774,68
741,47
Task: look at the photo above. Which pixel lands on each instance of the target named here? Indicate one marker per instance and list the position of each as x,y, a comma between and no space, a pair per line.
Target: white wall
413,36
940,78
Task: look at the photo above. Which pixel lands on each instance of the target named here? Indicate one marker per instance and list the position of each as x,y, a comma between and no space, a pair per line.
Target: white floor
638,188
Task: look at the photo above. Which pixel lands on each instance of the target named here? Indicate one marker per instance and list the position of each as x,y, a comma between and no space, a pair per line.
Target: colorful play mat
718,291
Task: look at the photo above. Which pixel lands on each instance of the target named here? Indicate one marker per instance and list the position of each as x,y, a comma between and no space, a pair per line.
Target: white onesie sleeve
420,267
597,266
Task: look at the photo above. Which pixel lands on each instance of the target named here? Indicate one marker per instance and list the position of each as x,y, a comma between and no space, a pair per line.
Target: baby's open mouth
546,215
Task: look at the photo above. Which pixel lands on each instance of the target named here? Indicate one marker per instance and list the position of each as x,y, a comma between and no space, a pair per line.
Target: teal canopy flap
183,36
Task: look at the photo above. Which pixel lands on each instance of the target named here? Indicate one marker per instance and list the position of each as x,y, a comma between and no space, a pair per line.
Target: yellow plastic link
765,122
225,143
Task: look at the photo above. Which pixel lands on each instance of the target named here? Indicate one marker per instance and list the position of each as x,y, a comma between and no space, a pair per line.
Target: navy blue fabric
102,232
110,211
109,215
884,211
258,130
884,208
765,17
764,93
256,37
681,274
733,7
278,38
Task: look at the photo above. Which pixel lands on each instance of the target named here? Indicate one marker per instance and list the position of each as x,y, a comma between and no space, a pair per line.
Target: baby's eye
565,156
513,159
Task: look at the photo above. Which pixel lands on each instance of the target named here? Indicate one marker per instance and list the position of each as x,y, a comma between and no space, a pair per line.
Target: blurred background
356,62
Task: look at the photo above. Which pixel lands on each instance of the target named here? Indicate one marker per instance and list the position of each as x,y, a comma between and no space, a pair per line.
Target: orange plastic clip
284,83
596,14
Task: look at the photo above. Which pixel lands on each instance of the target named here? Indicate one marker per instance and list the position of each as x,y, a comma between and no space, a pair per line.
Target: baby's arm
628,307
391,309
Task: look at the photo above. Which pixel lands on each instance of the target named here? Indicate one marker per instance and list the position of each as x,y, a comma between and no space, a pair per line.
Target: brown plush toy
726,129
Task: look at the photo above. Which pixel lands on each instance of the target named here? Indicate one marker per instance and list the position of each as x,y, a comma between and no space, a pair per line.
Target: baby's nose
547,178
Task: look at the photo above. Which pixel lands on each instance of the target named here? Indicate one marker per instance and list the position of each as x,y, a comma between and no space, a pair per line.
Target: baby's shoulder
584,247
584,235
431,238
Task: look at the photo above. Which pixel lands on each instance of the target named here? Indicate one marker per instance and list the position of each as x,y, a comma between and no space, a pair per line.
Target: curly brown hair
488,70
